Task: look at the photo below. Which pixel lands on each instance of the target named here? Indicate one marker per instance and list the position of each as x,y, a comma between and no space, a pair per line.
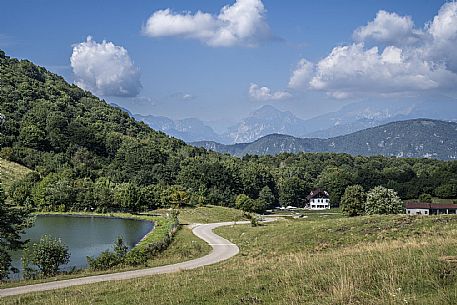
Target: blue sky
191,72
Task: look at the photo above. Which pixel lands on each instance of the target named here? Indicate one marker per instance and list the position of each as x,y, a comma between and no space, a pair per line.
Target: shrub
106,260
381,200
45,257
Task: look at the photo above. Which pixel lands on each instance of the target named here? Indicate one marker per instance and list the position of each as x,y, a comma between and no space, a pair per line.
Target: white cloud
388,28
442,44
353,70
302,75
242,23
407,61
265,94
105,69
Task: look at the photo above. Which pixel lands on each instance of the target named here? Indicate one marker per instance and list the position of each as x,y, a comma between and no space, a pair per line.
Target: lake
85,235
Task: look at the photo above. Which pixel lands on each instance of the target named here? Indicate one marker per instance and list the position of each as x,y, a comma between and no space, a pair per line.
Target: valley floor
364,260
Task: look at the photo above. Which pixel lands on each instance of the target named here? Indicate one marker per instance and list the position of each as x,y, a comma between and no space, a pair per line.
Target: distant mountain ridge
188,130
418,138
366,114
264,121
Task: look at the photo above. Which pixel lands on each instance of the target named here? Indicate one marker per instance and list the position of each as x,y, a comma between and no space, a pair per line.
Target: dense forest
88,155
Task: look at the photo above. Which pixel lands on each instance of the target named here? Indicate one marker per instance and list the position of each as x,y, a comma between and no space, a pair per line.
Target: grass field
207,214
10,172
364,260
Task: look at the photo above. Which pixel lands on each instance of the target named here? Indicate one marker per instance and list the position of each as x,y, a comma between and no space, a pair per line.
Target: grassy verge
364,260
207,214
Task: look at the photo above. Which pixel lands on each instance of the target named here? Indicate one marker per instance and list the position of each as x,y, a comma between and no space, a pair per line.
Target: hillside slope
420,138
10,172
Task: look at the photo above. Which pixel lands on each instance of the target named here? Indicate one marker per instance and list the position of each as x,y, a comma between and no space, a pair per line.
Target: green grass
185,246
364,260
207,214
10,171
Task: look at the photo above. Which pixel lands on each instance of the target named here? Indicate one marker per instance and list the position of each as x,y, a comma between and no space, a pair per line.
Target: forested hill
87,155
412,138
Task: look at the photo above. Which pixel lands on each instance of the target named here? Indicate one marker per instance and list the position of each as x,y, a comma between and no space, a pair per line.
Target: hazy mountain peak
263,121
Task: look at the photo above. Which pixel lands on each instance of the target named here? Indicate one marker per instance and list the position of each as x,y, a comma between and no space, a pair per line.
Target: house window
426,212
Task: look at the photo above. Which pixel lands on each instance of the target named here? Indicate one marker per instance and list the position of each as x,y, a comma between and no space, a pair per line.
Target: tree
244,202
335,180
13,221
448,190
48,254
425,198
120,248
293,192
267,195
353,201
127,196
381,200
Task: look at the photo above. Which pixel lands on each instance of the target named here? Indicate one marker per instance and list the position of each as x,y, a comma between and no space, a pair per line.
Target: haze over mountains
269,120
419,138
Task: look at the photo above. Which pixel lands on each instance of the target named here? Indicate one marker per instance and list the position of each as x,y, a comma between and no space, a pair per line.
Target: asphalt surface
222,250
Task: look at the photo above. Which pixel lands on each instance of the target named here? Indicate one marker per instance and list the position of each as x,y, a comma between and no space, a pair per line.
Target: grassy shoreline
158,232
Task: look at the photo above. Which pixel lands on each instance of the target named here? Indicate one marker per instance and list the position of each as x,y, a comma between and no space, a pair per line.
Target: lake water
85,235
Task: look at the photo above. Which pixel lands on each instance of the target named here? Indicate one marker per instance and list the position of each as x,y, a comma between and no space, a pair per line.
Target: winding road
222,250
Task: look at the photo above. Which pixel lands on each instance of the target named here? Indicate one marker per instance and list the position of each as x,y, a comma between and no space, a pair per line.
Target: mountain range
269,120
418,138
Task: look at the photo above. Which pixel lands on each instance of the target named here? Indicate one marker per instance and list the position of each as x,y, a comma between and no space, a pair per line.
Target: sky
219,60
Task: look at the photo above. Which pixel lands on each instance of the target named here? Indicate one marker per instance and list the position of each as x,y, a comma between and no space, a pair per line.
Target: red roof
417,205
423,205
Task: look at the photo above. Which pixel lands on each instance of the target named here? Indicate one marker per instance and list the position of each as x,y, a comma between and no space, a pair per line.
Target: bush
45,257
381,200
106,260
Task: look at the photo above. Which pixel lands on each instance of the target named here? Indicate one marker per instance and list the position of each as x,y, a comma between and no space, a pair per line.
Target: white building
420,208
318,200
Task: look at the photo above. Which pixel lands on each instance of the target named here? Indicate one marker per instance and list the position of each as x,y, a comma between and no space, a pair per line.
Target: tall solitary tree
13,221
353,201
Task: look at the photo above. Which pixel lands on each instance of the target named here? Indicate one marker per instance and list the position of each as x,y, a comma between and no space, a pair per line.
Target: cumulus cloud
105,69
242,23
441,46
265,94
389,28
407,60
302,75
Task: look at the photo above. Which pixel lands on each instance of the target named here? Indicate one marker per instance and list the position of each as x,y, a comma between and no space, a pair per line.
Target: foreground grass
365,260
10,172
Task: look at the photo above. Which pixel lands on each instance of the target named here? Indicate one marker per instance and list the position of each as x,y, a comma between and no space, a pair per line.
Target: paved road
222,250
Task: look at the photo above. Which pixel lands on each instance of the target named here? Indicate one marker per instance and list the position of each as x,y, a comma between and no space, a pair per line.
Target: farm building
420,208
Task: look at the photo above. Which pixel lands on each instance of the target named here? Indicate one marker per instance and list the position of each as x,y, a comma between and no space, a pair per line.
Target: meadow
363,260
